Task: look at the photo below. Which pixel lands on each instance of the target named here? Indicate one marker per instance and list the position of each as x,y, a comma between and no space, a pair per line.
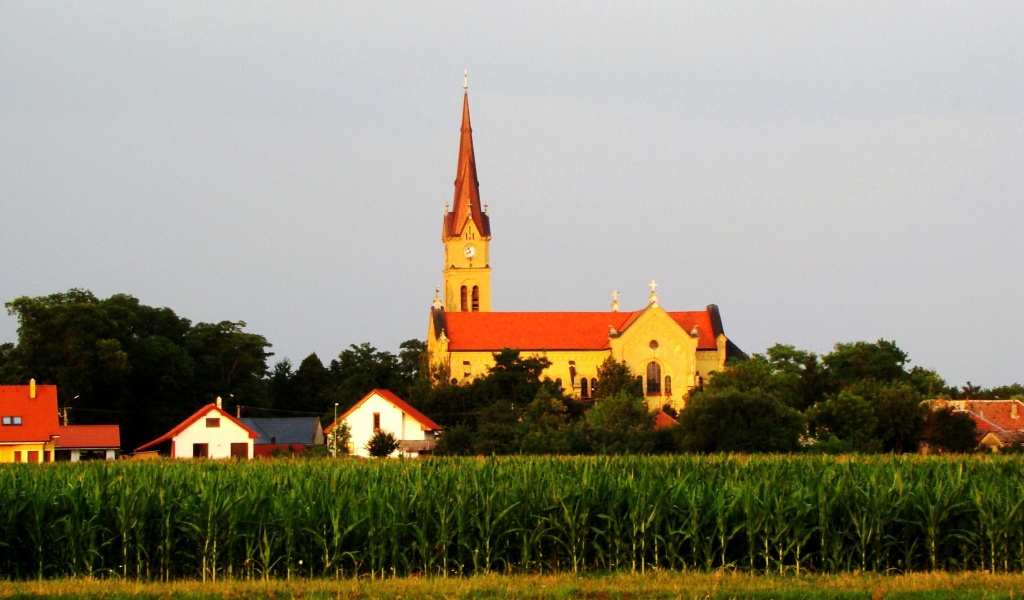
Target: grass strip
716,585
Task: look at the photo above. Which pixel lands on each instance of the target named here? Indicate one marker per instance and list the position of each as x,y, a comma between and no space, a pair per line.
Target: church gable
655,334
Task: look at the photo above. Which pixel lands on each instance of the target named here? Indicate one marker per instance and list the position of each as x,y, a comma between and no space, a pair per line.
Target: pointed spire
467,188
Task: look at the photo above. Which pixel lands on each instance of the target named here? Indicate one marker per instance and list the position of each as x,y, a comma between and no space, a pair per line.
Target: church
671,352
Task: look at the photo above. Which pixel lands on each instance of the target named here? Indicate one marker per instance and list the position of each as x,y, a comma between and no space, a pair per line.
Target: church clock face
469,251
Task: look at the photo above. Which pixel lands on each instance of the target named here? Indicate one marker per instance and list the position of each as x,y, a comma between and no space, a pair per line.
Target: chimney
32,388
218,402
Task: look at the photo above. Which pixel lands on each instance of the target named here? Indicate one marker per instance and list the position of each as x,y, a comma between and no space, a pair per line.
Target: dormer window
12,420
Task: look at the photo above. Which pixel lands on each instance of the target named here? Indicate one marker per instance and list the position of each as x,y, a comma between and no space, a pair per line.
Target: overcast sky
823,171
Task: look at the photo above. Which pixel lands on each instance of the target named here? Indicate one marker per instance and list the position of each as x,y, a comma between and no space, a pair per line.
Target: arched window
464,305
653,378
559,382
584,391
668,385
476,298
593,387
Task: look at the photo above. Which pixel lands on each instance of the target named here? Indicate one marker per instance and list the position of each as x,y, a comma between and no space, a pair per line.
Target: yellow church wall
655,337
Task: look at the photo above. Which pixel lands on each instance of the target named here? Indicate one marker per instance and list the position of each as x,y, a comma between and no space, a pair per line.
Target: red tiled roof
425,423
995,415
38,415
492,331
89,436
195,417
663,420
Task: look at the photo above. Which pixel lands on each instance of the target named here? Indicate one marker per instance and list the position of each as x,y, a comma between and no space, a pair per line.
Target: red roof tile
663,420
996,415
202,412
425,422
38,415
89,436
492,331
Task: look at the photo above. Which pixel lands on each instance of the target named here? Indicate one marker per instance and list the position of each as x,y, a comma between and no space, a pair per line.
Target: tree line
116,360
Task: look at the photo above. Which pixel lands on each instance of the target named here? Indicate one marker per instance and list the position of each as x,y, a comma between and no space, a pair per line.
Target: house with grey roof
292,434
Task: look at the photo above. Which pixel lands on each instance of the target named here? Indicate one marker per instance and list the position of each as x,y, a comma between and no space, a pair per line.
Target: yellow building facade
670,352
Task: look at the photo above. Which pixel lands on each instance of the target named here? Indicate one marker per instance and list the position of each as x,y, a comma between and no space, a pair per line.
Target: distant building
671,352
29,430
382,410
291,434
209,433
88,442
999,422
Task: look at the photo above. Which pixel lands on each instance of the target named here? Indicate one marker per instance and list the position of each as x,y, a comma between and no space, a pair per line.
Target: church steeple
466,205
466,233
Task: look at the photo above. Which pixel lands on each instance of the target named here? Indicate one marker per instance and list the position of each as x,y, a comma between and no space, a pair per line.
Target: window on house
464,305
476,298
200,450
584,388
376,422
668,385
653,378
15,420
33,456
17,456
593,387
239,450
213,422
466,371
572,373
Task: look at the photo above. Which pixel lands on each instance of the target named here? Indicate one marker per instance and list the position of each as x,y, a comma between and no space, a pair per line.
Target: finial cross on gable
654,286
615,295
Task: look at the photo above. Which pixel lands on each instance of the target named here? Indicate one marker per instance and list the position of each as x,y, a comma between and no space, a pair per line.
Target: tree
730,420
900,415
849,418
619,424
614,378
948,430
382,444
792,376
229,361
338,439
882,361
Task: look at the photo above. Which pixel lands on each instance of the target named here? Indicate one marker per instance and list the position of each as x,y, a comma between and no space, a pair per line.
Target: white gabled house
208,433
382,410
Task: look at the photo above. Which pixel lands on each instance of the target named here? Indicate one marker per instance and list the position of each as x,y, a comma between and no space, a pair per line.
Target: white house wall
392,419
218,438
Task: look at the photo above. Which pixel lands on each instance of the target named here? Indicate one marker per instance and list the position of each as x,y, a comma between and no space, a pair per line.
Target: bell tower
466,232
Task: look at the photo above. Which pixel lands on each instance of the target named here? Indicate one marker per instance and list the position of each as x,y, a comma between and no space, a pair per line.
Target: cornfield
446,517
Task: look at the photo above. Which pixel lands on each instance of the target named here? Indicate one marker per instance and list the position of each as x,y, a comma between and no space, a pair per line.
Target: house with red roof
671,352
382,410
88,442
29,430
999,422
209,433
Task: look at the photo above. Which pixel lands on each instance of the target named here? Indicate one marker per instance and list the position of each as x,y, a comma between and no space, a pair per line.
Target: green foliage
122,361
615,378
382,445
731,420
339,438
847,417
947,430
620,424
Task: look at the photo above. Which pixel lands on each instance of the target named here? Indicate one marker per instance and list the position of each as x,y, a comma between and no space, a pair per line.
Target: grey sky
822,171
